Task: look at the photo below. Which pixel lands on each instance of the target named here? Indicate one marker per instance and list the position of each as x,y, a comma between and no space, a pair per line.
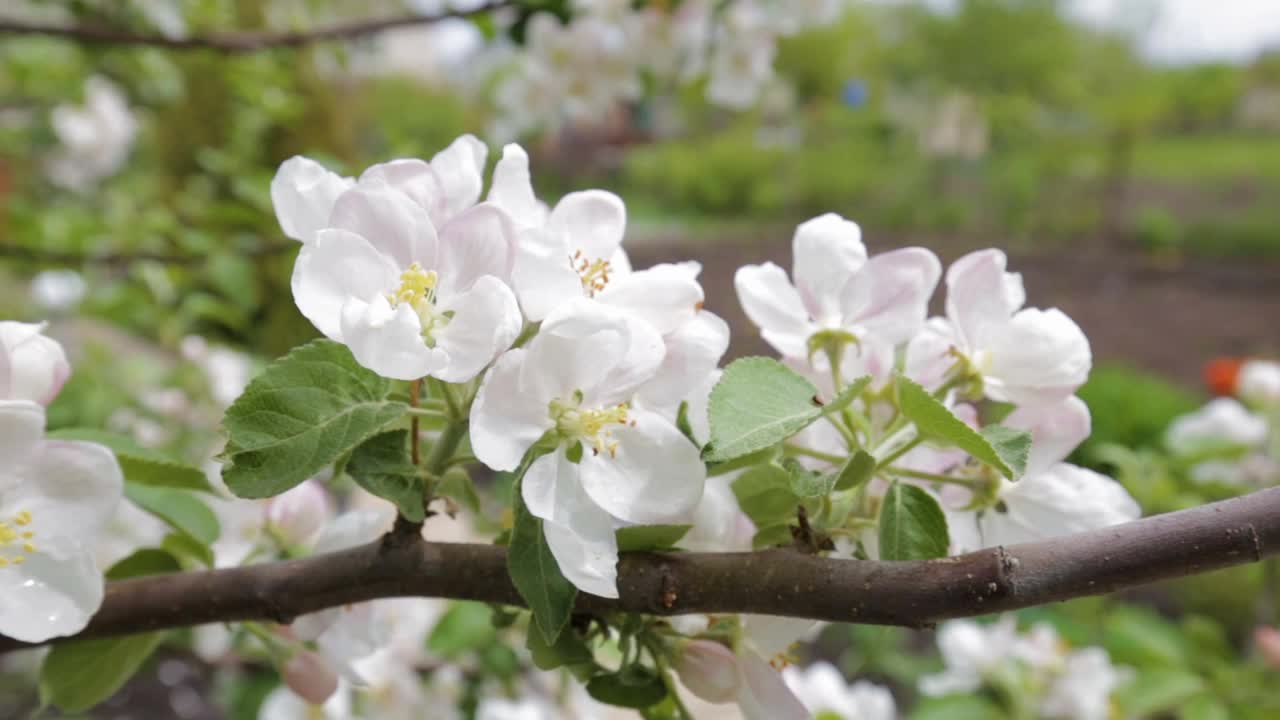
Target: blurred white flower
95,137
824,691
57,290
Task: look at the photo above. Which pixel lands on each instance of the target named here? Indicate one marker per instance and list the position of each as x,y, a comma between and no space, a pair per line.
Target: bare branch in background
42,256
782,582
238,42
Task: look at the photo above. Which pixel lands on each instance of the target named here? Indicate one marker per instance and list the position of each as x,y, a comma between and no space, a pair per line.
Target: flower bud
297,515
311,677
1267,640
32,367
709,670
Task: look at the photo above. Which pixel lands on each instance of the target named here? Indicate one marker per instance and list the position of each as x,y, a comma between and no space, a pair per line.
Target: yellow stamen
23,518
593,273
591,427
418,290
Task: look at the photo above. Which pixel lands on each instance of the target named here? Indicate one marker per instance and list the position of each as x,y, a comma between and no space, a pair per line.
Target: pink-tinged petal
774,305
929,353
900,283
1056,429
709,670
543,277
655,475
763,695
335,267
980,294
299,514
389,340
390,221
310,676
1061,500
459,169
666,296
303,193
21,427
477,242
411,176
486,321
827,253
1039,356
513,189
52,594
33,366
594,221
693,352
506,418
71,489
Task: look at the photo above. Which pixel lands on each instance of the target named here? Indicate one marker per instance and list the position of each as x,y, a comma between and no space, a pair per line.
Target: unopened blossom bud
1259,382
311,677
1267,640
32,366
296,516
709,670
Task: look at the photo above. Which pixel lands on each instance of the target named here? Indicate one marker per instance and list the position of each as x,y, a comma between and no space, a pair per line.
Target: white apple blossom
446,186
95,138
1022,355
1224,442
613,461
283,704
1082,687
1259,383
55,498
880,302
825,692
410,302
303,193
33,366
57,290
971,651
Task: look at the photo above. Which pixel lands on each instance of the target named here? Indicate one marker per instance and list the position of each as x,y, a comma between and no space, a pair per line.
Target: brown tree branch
123,258
238,42
773,582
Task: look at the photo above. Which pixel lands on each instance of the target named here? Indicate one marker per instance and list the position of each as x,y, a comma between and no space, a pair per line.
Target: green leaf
855,471
536,574
1157,691
148,561
936,422
302,413
182,545
957,707
457,485
847,395
181,510
1012,445
465,626
568,649
382,465
757,403
764,494
771,536
912,526
650,537
80,674
635,687
141,465
806,483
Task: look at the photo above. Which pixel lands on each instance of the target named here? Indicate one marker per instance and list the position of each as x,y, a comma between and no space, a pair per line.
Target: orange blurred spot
1220,375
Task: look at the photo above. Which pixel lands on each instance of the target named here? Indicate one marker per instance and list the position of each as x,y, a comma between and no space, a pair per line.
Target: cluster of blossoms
579,70
1035,673
56,497
1234,439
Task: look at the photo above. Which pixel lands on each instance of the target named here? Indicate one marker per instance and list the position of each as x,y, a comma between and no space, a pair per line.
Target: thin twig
237,42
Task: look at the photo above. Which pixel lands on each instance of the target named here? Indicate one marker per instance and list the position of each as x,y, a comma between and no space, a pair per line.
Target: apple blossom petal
389,340
459,168
411,176
478,241
1039,356
666,296
981,294
578,347
593,220
33,366
486,321
900,284
303,193
1056,429
929,353
709,670
335,267
72,490
506,418
581,537
827,253
655,476
550,481
512,189
692,353
390,221
543,276
644,355
773,635
21,427
52,594
774,306
763,695
1062,500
